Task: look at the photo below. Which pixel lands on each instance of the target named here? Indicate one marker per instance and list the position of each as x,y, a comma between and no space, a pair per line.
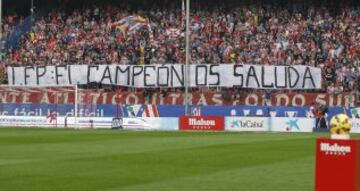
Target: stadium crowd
238,33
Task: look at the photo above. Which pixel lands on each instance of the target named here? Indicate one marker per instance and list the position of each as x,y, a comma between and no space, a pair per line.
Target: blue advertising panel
107,110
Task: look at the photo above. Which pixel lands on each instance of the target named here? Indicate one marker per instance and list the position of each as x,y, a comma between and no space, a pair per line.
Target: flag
130,24
183,14
196,111
149,111
130,111
141,111
151,34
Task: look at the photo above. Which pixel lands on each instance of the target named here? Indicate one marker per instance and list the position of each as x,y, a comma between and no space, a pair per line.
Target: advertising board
292,124
25,121
202,123
162,123
355,125
246,124
134,123
337,158
94,122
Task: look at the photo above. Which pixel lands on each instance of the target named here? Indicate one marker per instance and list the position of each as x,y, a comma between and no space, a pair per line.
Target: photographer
320,114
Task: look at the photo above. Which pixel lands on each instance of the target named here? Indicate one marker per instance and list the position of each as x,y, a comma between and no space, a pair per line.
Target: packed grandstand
271,74
289,33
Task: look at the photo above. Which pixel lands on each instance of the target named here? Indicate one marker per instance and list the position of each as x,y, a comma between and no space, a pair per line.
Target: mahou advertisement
340,159
202,123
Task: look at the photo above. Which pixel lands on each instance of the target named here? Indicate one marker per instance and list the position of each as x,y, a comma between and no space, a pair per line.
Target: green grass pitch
109,160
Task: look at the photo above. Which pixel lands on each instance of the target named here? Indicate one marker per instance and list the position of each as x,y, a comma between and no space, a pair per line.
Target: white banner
292,124
355,125
246,124
26,121
135,123
170,75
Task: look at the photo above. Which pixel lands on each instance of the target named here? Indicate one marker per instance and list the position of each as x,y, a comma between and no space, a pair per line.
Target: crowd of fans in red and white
267,34
8,24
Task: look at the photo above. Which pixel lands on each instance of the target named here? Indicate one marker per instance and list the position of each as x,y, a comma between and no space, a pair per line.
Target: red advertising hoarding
22,95
202,123
337,165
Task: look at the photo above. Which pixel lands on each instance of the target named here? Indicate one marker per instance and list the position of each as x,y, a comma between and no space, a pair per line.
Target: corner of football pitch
67,159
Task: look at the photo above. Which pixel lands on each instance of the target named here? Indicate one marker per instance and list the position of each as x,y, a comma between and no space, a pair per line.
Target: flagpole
186,77
1,25
32,11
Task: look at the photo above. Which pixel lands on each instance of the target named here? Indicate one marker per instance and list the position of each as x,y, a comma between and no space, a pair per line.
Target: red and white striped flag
183,14
150,111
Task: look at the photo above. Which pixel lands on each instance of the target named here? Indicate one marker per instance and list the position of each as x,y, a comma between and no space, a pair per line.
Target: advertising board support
337,165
